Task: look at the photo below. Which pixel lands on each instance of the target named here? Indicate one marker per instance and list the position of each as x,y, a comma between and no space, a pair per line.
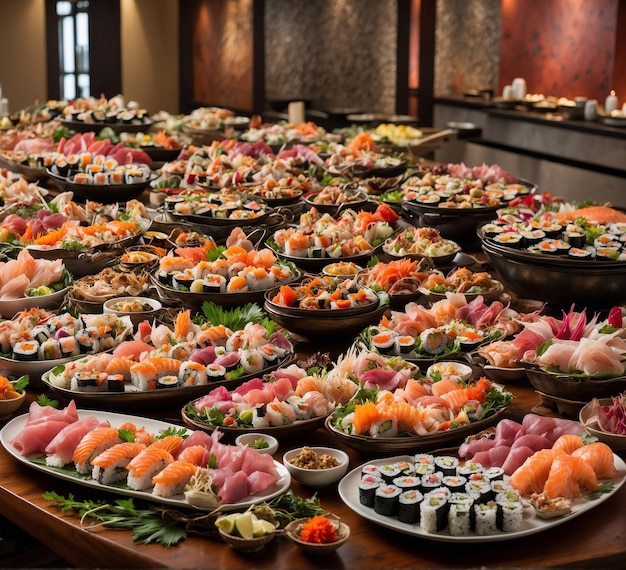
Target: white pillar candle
296,112
611,102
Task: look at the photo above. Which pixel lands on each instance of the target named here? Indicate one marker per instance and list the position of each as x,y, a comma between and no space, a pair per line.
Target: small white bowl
9,407
250,438
447,368
111,307
317,477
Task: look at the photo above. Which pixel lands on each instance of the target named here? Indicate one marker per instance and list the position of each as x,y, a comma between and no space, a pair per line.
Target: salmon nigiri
173,479
146,465
111,464
92,444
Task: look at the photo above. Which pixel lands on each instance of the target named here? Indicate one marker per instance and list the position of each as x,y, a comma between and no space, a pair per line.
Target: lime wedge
227,522
244,525
261,527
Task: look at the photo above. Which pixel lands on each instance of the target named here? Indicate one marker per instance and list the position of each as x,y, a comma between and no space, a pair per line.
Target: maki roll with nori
386,500
434,513
167,381
485,519
447,464
25,350
409,506
460,519
434,341
367,489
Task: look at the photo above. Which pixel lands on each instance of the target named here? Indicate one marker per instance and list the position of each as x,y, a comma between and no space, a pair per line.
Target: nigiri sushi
110,465
145,466
92,444
173,479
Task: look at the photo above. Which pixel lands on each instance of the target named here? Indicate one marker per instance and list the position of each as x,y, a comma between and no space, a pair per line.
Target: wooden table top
595,539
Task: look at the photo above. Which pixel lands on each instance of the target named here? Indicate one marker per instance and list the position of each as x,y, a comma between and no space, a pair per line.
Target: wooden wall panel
222,53
561,47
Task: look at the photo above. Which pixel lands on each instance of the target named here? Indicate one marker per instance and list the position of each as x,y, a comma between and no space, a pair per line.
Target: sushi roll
192,374
115,383
259,279
101,178
424,459
470,468
69,346
456,483
143,376
434,341
145,466
110,465
509,515
384,342
300,407
40,333
386,427
367,489
181,351
215,372
499,486
581,253
494,473
482,488
575,237
173,479
89,381
434,513
446,464
485,519
167,381
460,519
213,283
87,343
182,281
252,361
259,416
406,468
370,469
389,472
509,238
405,344
407,482
430,482
49,350
409,506
424,468
386,500
25,350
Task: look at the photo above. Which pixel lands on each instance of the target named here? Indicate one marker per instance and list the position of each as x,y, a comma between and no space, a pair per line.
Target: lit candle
296,112
611,102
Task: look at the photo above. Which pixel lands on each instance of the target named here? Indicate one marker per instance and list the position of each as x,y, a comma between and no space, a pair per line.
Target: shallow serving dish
574,388
588,418
411,444
294,529
9,308
250,438
105,193
9,407
115,307
247,545
317,478
317,327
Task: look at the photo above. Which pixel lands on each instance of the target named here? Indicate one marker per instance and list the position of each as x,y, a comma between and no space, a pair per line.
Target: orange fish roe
319,530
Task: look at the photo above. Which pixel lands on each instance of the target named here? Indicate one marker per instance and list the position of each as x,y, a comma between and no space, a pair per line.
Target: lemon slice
244,525
261,527
227,522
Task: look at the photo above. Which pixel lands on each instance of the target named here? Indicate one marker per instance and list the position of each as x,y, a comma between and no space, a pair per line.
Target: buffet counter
595,539
564,156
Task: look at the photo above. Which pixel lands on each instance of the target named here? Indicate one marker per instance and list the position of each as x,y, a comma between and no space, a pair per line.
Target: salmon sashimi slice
568,443
569,476
532,475
600,456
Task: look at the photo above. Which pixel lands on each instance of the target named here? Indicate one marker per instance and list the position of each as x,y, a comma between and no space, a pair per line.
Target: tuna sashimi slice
34,438
259,481
234,489
64,443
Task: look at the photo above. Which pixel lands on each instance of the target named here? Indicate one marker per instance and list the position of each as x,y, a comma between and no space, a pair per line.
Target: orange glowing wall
562,47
